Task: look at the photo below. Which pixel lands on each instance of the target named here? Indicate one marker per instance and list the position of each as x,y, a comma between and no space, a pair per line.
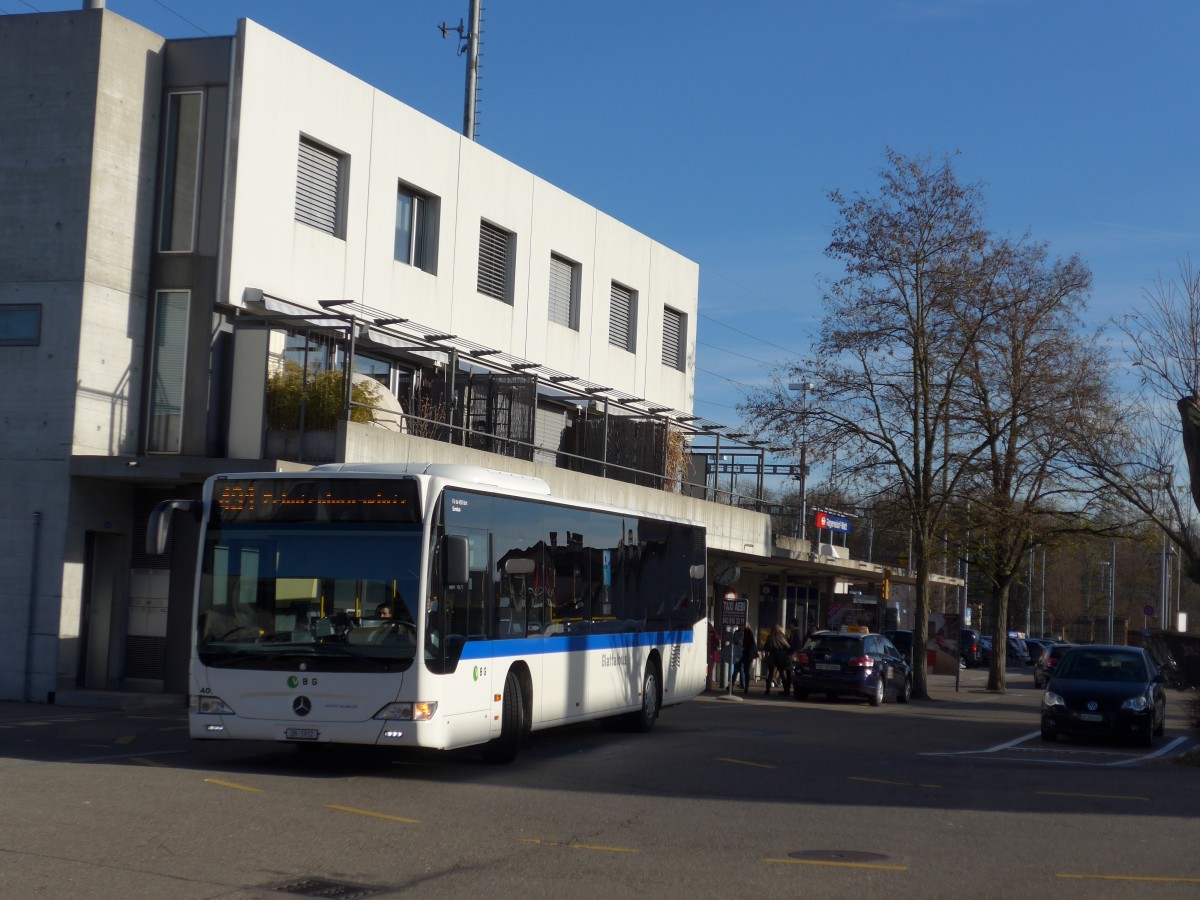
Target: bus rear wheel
512,724
643,720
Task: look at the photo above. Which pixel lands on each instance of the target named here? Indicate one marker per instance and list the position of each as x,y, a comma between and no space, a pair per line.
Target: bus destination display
247,500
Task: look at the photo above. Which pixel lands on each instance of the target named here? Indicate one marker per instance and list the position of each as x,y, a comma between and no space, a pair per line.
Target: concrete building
188,224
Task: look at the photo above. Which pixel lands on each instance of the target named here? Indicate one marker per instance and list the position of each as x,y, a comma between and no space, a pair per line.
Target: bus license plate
302,734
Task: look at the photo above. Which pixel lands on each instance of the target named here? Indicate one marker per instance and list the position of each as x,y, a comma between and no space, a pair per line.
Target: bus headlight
420,711
208,705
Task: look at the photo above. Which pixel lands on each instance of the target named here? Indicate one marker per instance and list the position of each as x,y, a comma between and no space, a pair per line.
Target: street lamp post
803,387
1112,582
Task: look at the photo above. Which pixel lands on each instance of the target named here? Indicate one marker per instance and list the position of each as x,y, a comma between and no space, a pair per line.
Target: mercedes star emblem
302,706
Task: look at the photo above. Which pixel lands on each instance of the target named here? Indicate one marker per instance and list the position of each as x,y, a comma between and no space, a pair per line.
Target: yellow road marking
1093,796
1154,878
230,784
744,762
374,815
900,783
842,865
574,846
146,762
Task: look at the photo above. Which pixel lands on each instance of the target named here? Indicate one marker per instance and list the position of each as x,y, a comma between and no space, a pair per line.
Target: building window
319,188
167,372
496,261
416,229
564,292
674,338
181,172
20,324
622,318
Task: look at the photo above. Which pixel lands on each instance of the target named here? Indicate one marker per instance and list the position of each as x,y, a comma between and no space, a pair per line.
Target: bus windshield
344,596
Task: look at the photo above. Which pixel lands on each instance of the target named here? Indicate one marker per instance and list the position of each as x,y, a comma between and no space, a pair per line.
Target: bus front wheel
643,720
512,724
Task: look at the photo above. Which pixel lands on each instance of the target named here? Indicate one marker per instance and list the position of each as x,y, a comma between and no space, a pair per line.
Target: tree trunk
921,621
999,608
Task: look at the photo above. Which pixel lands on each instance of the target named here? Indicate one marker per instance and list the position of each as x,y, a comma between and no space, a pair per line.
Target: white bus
432,606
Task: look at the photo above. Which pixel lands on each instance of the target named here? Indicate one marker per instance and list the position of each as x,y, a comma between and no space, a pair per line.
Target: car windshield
1100,665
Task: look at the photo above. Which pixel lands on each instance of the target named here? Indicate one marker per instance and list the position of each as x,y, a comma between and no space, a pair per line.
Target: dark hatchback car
1015,651
865,665
970,648
1036,647
1106,691
1043,669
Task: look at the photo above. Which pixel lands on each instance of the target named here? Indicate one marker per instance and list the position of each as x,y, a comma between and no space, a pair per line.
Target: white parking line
1008,745
995,749
1157,753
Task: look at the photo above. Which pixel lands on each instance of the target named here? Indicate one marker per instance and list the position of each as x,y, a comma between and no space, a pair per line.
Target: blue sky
718,128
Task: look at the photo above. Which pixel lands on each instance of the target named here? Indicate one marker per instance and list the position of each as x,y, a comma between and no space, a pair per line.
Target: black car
1043,669
970,648
1036,647
1015,651
1105,690
838,662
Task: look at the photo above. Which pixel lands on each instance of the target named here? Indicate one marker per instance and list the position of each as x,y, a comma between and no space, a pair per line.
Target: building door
97,619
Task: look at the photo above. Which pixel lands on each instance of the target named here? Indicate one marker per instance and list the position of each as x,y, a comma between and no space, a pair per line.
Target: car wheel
512,724
643,720
877,697
906,692
800,693
1161,726
1048,735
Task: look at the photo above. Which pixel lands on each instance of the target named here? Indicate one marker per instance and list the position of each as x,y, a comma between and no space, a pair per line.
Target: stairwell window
496,259
564,291
622,317
320,188
165,429
181,172
674,350
416,228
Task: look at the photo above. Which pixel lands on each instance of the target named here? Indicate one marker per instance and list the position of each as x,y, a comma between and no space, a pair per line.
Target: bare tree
1028,369
893,349
1135,449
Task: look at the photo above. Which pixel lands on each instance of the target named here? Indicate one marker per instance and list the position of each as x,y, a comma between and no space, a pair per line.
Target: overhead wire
181,16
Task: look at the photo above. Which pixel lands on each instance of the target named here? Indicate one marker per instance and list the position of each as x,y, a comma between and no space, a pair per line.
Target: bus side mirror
455,555
159,525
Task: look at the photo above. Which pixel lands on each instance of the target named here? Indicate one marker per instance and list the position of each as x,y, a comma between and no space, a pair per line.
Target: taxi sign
733,612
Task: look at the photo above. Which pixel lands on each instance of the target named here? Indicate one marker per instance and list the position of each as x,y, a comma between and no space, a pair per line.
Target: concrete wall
729,528
79,106
283,91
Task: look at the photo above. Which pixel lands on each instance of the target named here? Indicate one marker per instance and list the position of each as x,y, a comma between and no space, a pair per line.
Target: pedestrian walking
776,659
749,655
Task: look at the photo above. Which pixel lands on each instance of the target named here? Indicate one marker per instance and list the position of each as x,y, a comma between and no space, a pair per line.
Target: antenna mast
468,44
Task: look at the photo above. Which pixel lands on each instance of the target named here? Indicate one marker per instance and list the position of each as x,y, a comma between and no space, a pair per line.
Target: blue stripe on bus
568,643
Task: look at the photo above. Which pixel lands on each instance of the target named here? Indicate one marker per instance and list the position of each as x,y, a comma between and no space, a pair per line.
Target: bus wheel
643,720
512,724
